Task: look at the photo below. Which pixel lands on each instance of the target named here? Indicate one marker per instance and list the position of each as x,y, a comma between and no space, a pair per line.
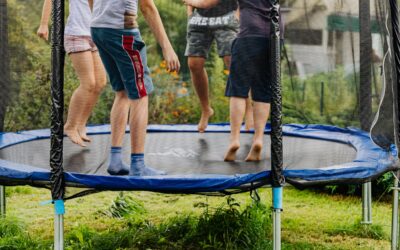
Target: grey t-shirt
112,13
78,23
255,18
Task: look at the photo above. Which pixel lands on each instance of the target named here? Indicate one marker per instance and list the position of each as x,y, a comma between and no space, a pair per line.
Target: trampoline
314,154
328,79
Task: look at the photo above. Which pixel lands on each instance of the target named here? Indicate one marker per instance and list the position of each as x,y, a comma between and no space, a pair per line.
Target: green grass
142,220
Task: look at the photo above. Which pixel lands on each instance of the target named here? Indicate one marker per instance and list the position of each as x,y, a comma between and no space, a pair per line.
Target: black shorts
250,69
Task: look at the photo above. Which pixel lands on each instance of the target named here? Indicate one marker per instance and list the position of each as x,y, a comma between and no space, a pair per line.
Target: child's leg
138,119
119,120
249,121
249,117
84,97
120,110
138,125
261,113
200,82
237,111
126,63
101,81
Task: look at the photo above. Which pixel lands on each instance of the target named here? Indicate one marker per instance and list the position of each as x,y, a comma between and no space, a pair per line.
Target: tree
4,63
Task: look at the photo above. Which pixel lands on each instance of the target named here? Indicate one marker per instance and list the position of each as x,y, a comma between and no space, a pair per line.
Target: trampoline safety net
339,92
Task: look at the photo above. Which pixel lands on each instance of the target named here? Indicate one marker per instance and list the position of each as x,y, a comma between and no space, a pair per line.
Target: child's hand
171,60
43,32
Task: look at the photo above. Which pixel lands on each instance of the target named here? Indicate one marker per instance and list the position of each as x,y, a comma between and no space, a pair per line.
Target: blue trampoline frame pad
371,161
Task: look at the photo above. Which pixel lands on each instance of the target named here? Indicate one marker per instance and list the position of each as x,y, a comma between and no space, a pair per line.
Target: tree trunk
365,105
5,83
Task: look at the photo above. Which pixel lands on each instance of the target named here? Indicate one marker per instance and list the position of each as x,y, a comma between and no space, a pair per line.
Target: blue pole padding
277,197
59,207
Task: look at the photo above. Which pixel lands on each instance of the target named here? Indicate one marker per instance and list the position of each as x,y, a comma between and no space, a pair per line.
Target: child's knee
90,86
196,65
101,84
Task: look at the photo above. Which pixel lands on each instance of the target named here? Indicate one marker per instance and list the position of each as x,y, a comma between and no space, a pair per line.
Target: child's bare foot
82,133
255,152
231,153
205,116
74,136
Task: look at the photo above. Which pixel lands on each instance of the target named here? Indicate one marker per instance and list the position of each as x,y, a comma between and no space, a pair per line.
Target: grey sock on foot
116,165
138,168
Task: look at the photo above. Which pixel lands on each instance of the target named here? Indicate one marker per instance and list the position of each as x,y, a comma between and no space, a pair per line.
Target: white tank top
78,23
110,13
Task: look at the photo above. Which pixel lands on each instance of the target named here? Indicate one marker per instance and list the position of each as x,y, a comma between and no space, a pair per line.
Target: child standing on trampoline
123,52
250,70
219,23
86,62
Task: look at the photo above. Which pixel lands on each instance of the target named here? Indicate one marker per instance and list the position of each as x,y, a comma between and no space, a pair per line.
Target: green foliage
228,227
303,100
174,17
381,188
124,206
360,230
80,238
10,191
173,222
13,235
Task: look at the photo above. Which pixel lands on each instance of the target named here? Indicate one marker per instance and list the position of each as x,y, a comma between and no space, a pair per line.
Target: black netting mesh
333,71
337,72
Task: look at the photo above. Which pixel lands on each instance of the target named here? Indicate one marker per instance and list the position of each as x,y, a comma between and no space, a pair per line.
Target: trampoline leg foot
366,203
276,217
2,201
395,212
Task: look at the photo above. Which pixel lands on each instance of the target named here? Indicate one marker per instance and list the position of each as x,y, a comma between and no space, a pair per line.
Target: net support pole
277,179
57,122
394,14
5,74
366,203
2,201
395,212
365,98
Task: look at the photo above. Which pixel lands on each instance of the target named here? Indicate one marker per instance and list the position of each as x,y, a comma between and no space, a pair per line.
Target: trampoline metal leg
59,232
59,225
395,212
367,203
277,229
276,217
2,201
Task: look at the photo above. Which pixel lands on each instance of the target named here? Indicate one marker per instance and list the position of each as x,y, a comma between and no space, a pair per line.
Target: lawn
142,220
